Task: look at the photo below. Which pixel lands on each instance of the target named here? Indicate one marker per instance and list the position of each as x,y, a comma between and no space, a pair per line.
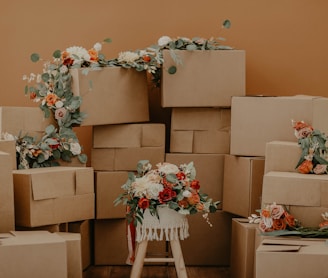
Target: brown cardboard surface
308,216
125,159
212,141
108,187
9,146
181,141
255,120
129,136
242,184
7,210
35,206
112,95
204,79
281,156
295,189
242,257
36,254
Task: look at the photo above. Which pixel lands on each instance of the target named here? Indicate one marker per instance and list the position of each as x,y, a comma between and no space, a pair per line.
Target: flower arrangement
166,185
313,159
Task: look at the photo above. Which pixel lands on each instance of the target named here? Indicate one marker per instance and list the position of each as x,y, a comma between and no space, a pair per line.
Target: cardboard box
204,79
208,245
108,187
125,159
292,258
129,136
24,121
306,196
243,247
84,229
53,195
200,130
111,247
242,184
209,169
282,156
9,146
258,120
36,254
73,251
7,210
112,95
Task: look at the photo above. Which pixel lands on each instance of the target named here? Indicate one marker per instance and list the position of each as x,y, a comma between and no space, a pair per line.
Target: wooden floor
155,272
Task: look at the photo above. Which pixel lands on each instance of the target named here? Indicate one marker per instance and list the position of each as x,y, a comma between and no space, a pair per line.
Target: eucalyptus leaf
56,54
35,57
172,70
226,24
108,40
83,158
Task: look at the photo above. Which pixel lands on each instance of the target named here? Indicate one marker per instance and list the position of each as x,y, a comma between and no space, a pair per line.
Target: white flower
128,57
168,168
59,104
78,54
8,136
75,148
164,40
186,193
38,78
97,46
63,69
153,190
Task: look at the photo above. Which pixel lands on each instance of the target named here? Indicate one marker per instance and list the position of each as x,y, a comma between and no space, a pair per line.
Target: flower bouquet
314,151
167,185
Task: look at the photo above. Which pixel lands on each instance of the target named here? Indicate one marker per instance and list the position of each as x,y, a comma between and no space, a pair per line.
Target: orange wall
286,41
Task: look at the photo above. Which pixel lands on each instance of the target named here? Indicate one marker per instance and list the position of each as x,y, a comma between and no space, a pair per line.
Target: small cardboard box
242,184
53,195
282,156
208,245
24,121
36,254
200,130
292,258
112,95
108,187
257,120
209,168
9,146
129,136
7,210
204,79
242,257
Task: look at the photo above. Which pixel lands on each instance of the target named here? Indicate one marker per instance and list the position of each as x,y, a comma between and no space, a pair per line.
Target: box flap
279,248
84,181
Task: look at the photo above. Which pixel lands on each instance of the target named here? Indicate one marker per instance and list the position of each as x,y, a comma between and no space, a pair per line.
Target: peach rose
306,167
276,211
51,99
67,61
290,220
183,203
93,55
264,228
279,224
194,199
200,207
320,169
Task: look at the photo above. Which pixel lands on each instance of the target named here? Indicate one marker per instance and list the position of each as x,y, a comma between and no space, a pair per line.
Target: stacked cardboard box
199,95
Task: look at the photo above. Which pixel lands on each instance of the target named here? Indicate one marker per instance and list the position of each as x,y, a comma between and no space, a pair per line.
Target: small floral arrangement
314,151
166,185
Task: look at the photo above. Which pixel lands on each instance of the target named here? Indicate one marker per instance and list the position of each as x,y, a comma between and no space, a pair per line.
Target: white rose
186,193
154,189
75,148
59,104
164,40
168,168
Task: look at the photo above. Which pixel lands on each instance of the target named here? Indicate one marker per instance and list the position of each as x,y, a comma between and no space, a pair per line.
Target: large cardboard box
282,156
243,247
242,184
112,95
7,210
108,187
111,246
129,135
36,254
21,121
204,78
208,245
292,258
209,171
53,195
305,195
257,120
200,130
9,146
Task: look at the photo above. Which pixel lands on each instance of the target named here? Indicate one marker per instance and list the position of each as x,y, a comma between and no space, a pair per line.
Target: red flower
195,184
166,195
306,167
181,176
143,203
146,58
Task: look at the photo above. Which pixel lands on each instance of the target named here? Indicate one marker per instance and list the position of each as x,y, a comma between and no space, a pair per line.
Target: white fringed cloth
170,225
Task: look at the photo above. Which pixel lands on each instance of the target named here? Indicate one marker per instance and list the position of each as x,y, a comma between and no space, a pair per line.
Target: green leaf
50,129
172,70
56,54
108,40
226,24
35,57
26,90
45,77
83,158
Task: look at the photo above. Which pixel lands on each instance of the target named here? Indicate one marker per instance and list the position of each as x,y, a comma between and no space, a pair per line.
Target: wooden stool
171,227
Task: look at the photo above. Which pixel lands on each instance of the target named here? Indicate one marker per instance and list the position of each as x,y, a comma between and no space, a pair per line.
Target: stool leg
178,259
139,259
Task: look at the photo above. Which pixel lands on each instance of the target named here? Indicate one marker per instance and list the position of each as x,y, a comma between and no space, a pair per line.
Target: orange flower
181,176
32,95
279,224
146,58
194,199
265,213
200,207
93,54
183,203
195,185
306,167
323,224
290,220
143,203
51,99
36,153
67,61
